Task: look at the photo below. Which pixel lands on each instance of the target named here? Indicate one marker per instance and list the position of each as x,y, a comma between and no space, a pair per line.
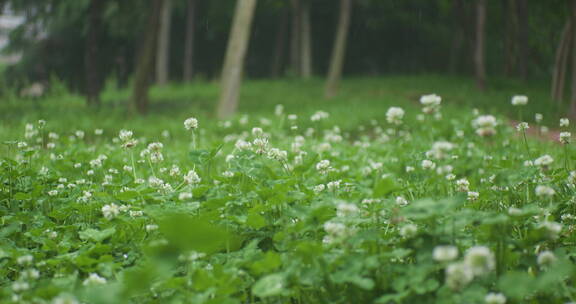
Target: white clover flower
409,169
94,279
319,115
564,137
25,259
564,122
519,100
346,209
242,144
472,196
323,166
110,211
408,230
546,258
319,188
394,115
53,192
22,145
445,253
538,117
191,124
261,145
335,229
185,196
522,126
552,228
542,190
495,298
192,177
279,110
257,132
277,154
480,260
485,125
458,275
151,227
544,161
333,185
401,201
155,182
431,103
440,149
65,299
228,174
428,164
20,286
79,134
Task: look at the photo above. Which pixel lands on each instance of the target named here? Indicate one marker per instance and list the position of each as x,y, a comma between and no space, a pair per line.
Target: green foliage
87,217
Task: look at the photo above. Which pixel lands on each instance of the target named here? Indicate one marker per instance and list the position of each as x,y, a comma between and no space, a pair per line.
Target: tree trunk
573,35
306,42
279,46
523,43
479,64
339,49
145,61
295,39
560,63
163,49
458,39
189,42
510,40
91,56
235,55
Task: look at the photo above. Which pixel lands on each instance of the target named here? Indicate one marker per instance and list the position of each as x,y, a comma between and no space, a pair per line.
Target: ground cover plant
423,204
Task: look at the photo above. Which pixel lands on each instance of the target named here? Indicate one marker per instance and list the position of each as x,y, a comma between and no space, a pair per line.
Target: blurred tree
573,55
235,54
279,45
306,41
145,61
92,55
480,67
459,21
163,48
523,39
338,52
189,40
561,62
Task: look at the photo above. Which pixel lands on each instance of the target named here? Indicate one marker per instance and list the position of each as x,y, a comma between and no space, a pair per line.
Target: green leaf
269,286
96,235
385,186
255,220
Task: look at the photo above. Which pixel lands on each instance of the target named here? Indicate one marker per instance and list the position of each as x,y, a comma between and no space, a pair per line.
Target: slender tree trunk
573,54
339,50
458,39
510,39
523,36
479,64
306,42
145,61
560,63
235,55
279,46
189,42
163,49
91,56
295,39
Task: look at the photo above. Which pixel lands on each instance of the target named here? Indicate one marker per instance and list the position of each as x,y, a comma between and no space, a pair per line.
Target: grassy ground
360,100
352,208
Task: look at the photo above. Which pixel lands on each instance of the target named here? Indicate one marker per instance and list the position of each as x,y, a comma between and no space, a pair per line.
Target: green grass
359,100
358,211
